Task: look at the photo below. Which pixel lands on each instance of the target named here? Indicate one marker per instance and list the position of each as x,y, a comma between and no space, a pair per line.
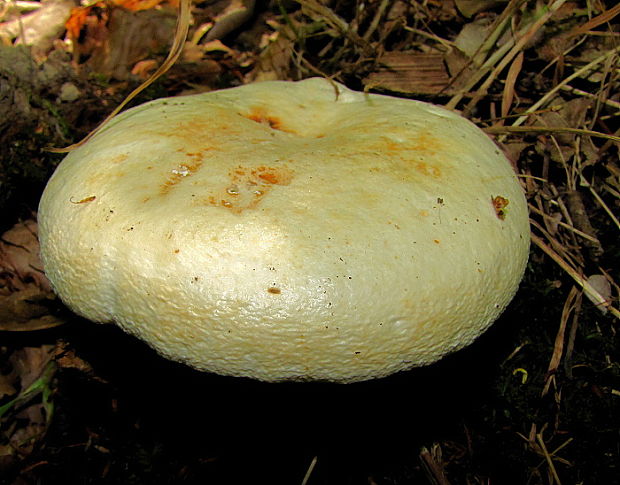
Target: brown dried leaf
30,362
237,13
274,62
410,72
460,67
396,15
513,150
129,38
572,306
570,114
6,385
66,358
19,259
27,310
472,36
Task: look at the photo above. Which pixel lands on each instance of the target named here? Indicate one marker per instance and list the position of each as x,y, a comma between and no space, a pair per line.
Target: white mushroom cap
283,232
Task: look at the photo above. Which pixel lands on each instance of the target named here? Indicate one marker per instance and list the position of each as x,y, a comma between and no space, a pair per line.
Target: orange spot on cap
499,204
259,115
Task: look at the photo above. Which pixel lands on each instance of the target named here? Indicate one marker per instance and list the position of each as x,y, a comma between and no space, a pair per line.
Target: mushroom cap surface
288,231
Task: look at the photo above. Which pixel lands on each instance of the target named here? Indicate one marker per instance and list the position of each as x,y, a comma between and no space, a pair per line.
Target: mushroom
288,231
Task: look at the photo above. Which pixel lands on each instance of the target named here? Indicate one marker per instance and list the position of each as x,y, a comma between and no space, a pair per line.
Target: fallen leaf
274,62
30,363
472,36
410,72
76,21
129,37
234,16
601,284
20,264
28,310
66,358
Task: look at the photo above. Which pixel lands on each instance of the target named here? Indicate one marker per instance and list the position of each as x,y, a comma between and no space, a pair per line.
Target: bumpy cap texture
288,231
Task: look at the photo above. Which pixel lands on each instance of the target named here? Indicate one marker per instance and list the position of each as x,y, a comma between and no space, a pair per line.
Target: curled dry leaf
19,259
25,292
472,36
234,16
27,310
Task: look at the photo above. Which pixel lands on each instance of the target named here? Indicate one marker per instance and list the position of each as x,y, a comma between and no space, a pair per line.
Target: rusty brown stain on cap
260,115
499,204
248,186
182,171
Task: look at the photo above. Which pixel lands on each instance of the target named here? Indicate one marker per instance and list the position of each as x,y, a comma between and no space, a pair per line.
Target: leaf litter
540,77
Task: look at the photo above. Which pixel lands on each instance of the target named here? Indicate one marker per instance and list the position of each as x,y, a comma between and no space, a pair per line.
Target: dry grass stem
494,130
604,206
310,470
579,92
563,224
376,19
571,305
523,38
429,35
487,46
509,88
591,292
578,73
595,22
548,458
